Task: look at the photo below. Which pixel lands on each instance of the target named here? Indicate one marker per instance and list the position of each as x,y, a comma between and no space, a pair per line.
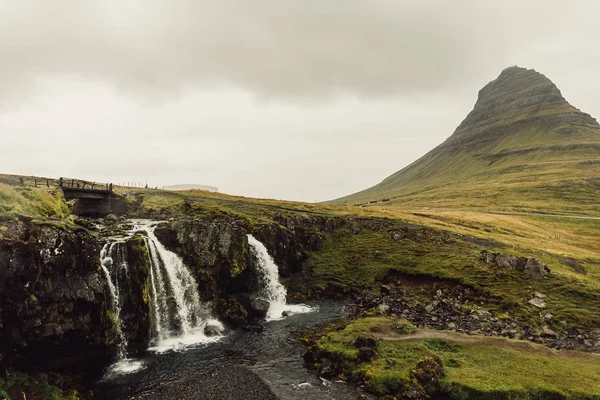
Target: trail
476,339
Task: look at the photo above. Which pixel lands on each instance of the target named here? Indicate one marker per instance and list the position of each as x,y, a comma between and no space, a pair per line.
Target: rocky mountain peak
517,87
517,94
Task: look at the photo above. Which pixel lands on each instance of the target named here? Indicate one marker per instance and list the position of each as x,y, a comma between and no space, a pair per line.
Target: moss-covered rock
135,295
233,312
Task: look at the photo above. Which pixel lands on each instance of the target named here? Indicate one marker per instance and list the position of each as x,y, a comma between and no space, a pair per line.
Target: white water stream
112,256
179,319
272,290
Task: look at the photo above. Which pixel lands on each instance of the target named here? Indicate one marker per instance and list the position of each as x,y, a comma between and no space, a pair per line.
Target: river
274,354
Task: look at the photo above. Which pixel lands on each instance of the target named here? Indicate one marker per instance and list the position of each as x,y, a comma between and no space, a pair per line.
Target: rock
365,341
312,355
429,308
390,362
424,380
111,219
546,315
254,328
53,300
451,325
548,332
536,268
539,303
383,309
286,313
539,295
506,261
259,307
366,354
385,290
329,368
530,266
232,312
213,329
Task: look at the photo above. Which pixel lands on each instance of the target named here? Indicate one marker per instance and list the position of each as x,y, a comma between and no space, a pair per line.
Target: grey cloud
272,48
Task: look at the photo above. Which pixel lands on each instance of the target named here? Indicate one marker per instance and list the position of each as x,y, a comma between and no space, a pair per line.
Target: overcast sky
301,100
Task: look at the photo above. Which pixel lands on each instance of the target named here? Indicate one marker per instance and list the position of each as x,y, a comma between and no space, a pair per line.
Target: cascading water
112,257
272,289
178,317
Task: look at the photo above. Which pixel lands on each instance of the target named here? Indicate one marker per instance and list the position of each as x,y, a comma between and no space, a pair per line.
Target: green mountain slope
523,147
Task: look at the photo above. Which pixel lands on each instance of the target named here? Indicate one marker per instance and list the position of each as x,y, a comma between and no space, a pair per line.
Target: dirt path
483,340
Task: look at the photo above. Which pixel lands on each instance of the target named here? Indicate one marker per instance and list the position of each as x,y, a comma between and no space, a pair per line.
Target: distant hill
192,186
523,147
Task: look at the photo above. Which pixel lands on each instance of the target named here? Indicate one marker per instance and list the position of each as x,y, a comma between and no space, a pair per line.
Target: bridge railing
81,184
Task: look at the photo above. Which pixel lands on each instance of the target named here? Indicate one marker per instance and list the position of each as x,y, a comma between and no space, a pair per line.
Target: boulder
259,307
383,309
536,268
213,329
530,266
548,332
506,261
537,302
385,290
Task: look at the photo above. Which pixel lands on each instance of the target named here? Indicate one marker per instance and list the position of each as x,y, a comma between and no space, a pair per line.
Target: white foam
195,338
125,366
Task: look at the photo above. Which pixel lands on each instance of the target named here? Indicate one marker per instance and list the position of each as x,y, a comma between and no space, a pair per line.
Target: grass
475,367
350,262
32,202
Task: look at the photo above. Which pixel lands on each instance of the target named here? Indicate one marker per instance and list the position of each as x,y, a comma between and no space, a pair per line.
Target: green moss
18,386
113,317
473,367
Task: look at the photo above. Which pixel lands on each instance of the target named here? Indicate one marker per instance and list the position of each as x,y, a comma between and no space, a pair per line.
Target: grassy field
350,262
474,366
32,202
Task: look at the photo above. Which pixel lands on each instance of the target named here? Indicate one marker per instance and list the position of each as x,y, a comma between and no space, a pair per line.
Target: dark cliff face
215,249
53,301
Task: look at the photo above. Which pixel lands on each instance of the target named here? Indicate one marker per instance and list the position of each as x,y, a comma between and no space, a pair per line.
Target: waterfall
178,318
112,257
272,290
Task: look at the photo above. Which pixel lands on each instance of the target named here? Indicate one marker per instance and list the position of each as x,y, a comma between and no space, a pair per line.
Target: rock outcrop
528,265
53,300
134,293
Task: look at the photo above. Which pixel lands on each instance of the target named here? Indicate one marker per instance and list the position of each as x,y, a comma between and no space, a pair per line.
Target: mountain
523,147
